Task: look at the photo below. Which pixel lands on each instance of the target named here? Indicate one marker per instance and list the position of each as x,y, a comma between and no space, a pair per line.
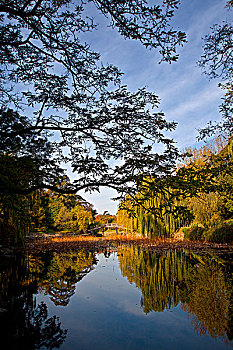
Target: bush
222,233
193,233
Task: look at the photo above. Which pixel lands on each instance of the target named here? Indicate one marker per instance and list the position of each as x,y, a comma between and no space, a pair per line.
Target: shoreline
103,243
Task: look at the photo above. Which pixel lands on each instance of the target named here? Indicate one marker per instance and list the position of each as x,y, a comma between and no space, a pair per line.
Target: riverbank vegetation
198,199
47,212
55,115
115,242
44,211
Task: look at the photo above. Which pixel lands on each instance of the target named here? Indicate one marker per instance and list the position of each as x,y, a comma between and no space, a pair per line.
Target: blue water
105,313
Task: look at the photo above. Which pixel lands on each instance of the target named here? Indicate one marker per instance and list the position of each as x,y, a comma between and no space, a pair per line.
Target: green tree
153,213
73,96
217,62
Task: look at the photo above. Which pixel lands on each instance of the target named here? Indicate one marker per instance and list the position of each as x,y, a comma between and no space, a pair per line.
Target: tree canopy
217,62
61,106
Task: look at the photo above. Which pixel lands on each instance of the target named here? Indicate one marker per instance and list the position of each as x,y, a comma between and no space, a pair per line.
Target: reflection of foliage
165,279
64,271
25,325
34,266
156,275
209,301
31,327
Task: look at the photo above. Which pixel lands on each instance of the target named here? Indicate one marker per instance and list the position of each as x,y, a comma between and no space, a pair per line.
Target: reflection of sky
105,313
186,95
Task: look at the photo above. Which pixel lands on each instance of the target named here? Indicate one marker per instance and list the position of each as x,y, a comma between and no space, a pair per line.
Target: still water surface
129,299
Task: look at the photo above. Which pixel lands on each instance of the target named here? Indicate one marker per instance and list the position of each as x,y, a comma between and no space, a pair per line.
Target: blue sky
187,96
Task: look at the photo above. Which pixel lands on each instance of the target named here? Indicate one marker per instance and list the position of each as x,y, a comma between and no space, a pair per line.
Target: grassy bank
113,242
221,233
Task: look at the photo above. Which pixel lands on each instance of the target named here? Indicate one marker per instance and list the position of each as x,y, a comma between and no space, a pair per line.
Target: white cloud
102,200
196,103
186,95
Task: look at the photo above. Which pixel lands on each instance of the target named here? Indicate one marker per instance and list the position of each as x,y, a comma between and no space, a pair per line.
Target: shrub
193,233
222,233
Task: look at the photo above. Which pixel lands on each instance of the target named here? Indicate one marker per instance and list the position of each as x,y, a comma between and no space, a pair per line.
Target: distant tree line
199,195
61,106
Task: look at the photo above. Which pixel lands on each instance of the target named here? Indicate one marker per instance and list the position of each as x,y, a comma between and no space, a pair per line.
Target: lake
125,298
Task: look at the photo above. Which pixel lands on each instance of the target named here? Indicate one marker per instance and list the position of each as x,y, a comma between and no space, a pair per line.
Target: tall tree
217,62
78,104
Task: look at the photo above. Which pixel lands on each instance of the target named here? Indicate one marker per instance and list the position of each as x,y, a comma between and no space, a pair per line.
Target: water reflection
156,275
61,272
203,285
209,299
23,323
196,287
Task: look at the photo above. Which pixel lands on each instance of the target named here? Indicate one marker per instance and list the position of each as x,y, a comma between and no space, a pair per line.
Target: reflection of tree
25,325
210,301
64,271
165,279
156,275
